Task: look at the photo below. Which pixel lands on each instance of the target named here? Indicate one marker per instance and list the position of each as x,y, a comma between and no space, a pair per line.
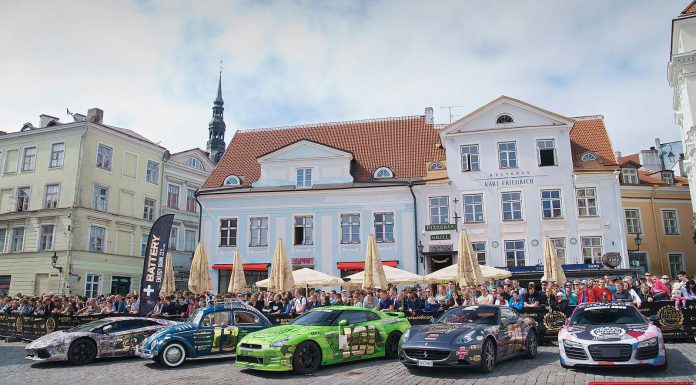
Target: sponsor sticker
607,332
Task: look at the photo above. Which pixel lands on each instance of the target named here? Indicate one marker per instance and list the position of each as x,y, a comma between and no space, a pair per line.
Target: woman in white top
485,298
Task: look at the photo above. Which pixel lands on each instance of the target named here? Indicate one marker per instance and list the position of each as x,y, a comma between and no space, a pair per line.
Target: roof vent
95,115
429,119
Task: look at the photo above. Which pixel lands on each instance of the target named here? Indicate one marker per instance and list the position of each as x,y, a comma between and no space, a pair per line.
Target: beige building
83,190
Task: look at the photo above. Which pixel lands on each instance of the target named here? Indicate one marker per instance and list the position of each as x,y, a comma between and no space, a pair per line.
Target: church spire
218,100
216,127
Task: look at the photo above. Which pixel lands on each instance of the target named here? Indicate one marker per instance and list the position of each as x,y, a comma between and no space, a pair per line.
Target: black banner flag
153,267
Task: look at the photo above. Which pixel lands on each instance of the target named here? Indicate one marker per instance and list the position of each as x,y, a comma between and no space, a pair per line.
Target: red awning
361,265
247,266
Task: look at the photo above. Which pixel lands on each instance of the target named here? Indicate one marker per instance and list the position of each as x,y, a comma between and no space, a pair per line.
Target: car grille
575,353
611,352
43,354
253,360
647,352
427,354
251,346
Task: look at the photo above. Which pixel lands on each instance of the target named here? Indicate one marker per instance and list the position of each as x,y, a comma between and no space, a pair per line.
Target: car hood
54,339
279,332
610,333
441,332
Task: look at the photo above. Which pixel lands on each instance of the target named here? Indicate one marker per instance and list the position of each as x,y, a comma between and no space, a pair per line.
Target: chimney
95,115
429,115
47,120
617,154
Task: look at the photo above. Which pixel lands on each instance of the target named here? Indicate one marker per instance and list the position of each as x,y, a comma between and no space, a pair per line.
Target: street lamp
420,249
638,240
54,260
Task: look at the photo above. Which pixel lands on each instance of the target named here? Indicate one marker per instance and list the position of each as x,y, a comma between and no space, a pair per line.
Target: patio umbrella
552,265
281,278
237,281
468,269
200,280
393,275
307,277
168,287
449,273
374,271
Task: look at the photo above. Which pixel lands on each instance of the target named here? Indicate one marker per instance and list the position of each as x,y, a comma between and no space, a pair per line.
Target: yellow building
657,208
83,190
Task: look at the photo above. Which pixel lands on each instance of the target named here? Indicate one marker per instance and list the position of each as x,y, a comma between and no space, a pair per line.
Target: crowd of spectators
411,299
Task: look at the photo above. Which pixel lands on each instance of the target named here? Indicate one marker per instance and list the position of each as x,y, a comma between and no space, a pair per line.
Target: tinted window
218,318
245,318
470,314
607,314
317,318
372,316
508,313
121,326
89,326
352,316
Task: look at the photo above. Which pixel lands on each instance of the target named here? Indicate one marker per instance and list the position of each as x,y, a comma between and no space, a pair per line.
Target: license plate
425,363
611,352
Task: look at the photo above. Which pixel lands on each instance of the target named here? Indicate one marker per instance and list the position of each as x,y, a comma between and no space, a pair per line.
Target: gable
304,149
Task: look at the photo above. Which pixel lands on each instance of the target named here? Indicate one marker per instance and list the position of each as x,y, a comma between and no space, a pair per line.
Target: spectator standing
585,295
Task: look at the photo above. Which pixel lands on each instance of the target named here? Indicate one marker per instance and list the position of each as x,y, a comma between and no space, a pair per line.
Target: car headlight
646,343
464,338
406,336
281,342
572,344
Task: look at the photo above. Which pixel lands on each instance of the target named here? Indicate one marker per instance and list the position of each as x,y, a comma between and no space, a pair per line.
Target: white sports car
611,333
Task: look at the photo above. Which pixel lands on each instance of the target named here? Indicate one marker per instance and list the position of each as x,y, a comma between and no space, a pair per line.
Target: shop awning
247,266
361,265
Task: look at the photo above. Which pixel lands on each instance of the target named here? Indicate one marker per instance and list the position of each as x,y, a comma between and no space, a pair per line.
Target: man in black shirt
532,298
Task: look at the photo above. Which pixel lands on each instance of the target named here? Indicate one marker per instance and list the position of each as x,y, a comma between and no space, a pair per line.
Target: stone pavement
545,369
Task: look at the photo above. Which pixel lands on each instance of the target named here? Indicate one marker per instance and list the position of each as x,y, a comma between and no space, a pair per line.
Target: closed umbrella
237,281
307,277
168,287
281,278
393,275
552,265
374,271
468,270
449,273
200,280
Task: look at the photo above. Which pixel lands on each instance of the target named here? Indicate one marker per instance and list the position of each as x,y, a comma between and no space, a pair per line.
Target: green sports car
323,336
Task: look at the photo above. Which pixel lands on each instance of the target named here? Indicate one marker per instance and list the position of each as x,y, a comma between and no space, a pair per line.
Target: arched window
436,166
383,172
195,163
504,118
588,156
232,180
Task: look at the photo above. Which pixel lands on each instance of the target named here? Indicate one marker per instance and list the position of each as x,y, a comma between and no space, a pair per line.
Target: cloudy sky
153,66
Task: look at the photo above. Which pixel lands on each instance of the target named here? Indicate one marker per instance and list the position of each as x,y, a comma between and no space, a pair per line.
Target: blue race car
210,331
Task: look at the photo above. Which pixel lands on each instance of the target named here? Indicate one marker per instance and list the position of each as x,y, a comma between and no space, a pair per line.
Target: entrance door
120,285
438,262
41,284
639,260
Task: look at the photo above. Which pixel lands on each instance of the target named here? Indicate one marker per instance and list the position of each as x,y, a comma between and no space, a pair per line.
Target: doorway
120,285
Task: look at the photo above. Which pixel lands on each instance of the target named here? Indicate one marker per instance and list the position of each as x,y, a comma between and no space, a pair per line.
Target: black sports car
470,336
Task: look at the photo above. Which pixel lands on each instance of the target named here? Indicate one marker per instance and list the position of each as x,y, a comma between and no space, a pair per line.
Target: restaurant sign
441,227
304,261
439,237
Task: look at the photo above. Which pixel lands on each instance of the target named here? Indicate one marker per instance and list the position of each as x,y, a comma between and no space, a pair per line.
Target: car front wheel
487,356
82,351
391,347
306,358
173,355
531,344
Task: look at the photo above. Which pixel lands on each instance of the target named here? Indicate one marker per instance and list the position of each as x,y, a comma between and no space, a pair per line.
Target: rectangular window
100,198
676,263
515,253
143,245
29,161
57,155
384,227
173,196
92,285
480,251
587,202
149,207
629,175
228,232
17,241
46,237
670,223
512,206
546,149
559,244
473,208
259,231
507,155
639,260
303,230
668,178
551,204
174,239
152,172
191,201
439,210
633,221
51,198
104,157
350,228
23,194
189,240
304,178
3,239
470,157
591,249
97,239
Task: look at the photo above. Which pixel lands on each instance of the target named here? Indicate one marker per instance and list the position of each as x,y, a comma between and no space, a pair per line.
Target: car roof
345,308
605,303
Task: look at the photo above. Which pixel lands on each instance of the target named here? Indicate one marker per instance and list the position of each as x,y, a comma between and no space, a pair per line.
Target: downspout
657,232
200,215
415,224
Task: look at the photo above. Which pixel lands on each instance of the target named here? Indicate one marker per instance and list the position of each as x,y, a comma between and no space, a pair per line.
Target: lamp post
420,253
638,240
54,261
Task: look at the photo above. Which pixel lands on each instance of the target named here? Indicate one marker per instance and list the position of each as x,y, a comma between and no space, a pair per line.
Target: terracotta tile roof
654,178
589,135
690,9
404,144
635,158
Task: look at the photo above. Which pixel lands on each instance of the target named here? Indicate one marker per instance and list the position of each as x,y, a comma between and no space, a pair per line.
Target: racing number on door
224,339
360,341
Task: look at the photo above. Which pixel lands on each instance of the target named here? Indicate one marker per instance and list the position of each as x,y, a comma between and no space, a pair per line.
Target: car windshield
605,315
317,318
469,314
196,316
89,326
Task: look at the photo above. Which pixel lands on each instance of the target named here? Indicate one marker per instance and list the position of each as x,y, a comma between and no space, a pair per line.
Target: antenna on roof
449,109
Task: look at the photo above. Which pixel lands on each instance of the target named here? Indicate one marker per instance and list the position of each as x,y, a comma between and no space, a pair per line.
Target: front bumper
439,355
44,354
266,358
145,353
584,357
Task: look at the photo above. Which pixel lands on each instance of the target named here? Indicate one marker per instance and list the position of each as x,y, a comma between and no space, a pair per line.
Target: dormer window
304,178
504,119
383,172
588,156
629,175
436,166
195,163
667,177
232,180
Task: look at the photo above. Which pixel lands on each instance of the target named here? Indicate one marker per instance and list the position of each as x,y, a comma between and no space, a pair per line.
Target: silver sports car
108,337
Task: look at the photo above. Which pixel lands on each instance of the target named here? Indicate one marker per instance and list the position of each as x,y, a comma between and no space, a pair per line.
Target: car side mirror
106,328
654,318
342,322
